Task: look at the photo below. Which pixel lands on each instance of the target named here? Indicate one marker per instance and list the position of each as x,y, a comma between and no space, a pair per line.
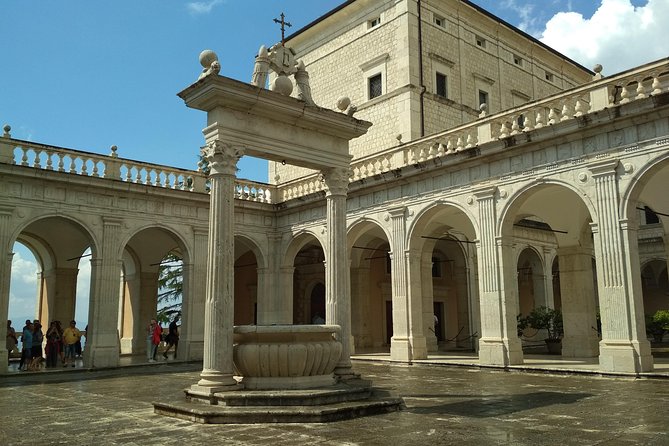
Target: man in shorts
70,337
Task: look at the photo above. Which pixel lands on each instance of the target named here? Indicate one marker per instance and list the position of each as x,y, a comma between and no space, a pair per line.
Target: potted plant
658,324
549,319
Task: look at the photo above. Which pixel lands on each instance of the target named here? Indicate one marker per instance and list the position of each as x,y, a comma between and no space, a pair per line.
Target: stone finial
261,68
282,84
7,128
302,83
113,153
343,103
598,72
483,108
210,63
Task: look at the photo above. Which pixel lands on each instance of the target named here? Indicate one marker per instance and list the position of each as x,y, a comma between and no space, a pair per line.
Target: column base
500,352
408,349
625,356
101,357
580,347
432,344
211,384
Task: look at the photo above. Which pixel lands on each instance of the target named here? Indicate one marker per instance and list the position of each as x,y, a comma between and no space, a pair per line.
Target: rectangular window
441,85
518,60
480,41
439,21
549,76
376,21
375,86
483,98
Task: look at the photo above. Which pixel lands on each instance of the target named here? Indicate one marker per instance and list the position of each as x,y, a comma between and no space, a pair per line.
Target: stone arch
176,234
648,181
58,243
250,244
443,267
248,259
305,257
536,212
531,271
371,290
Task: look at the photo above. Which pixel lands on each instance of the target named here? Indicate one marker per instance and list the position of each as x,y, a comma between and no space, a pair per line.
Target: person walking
12,340
70,337
153,338
53,342
27,344
172,337
37,351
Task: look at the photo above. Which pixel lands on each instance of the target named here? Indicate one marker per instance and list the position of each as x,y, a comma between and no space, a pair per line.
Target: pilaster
498,289
6,255
191,341
102,342
624,347
578,303
427,291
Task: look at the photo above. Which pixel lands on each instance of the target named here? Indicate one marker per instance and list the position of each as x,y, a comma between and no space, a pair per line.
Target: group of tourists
154,336
63,344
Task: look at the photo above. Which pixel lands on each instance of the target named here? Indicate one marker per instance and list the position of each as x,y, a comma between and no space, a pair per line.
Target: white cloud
22,288
24,270
618,35
528,17
203,7
83,291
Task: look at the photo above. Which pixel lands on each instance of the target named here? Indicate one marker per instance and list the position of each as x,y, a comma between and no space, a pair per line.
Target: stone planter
286,356
554,346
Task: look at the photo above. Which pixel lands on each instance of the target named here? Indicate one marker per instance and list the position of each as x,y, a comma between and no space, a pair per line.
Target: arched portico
646,191
442,270
371,295
538,213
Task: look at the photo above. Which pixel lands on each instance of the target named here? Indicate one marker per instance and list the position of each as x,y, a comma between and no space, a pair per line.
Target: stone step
311,397
216,414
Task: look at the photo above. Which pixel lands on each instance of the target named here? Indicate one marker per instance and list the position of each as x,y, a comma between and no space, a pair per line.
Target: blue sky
87,75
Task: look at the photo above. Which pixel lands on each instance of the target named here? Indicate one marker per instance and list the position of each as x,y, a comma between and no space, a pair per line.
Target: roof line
466,2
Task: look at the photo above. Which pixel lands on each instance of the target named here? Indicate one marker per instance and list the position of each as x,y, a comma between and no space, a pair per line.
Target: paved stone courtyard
445,405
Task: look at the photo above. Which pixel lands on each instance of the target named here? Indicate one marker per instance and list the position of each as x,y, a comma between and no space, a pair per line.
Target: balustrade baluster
566,112
84,168
625,94
49,162
640,90
36,160
656,86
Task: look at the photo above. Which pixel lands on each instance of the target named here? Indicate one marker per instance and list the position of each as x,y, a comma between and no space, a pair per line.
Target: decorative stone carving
261,68
222,157
210,63
302,81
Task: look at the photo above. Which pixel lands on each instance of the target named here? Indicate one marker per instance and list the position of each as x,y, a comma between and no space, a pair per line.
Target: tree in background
170,288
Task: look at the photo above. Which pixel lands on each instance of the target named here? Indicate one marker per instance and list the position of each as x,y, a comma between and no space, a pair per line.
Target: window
480,41
375,86
439,21
376,21
651,217
549,76
518,60
483,98
441,84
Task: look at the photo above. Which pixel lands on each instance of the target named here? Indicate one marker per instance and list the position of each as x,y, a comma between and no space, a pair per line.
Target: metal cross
283,27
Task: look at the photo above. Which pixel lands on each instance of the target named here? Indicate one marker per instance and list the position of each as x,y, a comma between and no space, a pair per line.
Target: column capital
394,213
6,210
336,180
200,231
603,168
222,157
485,193
112,221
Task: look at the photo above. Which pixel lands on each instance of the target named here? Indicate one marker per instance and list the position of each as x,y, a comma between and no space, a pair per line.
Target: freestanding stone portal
248,119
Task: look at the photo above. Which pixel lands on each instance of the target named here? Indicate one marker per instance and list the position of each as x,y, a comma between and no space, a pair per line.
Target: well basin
286,356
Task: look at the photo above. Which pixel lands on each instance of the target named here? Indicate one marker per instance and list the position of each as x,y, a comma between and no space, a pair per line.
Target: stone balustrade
77,162
648,80
642,82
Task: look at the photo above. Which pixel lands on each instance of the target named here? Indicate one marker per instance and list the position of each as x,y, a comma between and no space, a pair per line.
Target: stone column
133,335
414,303
6,254
360,316
548,277
337,281
275,287
102,342
408,342
427,291
624,346
498,289
191,339
148,304
217,372
59,295
578,303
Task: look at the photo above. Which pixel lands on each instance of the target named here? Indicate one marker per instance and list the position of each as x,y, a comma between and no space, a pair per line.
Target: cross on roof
283,27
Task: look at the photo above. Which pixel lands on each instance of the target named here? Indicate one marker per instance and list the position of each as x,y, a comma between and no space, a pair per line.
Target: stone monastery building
497,176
